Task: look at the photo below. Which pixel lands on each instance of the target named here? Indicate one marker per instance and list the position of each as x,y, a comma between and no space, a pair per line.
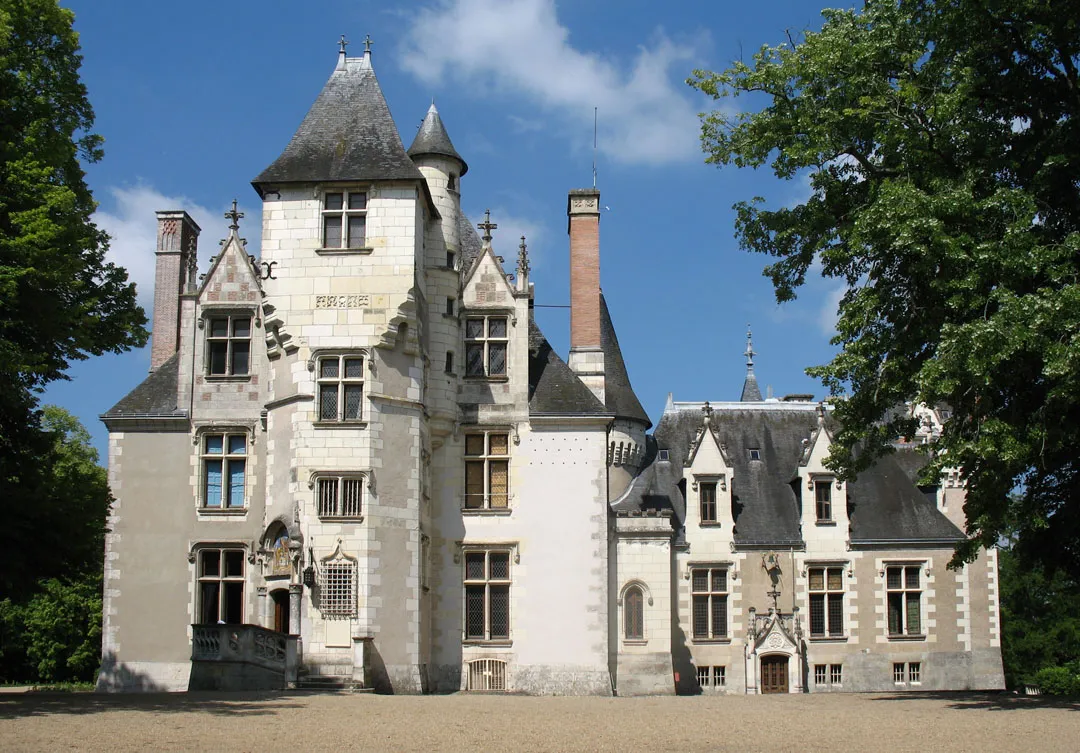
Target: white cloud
829,312
518,47
132,225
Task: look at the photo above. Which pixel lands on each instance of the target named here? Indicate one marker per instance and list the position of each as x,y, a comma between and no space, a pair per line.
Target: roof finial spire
235,216
751,393
749,350
523,258
706,411
344,43
367,44
487,226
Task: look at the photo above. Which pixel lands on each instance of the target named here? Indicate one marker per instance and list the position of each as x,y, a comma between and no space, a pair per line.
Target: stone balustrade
223,654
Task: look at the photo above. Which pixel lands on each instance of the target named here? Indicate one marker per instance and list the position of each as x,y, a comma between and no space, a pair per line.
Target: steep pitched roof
155,396
553,388
751,393
618,393
348,134
885,505
471,246
432,138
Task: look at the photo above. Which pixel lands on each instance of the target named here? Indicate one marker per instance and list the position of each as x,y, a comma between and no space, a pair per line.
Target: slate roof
348,134
471,246
618,393
432,138
884,504
656,487
155,396
554,389
751,393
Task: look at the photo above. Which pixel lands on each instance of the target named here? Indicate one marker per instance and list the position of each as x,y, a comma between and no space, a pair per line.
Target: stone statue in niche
280,563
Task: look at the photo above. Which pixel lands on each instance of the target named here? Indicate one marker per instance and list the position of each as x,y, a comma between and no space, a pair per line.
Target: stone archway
774,673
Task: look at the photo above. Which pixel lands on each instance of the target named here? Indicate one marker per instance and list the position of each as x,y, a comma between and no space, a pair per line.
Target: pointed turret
432,138
751,393
347,135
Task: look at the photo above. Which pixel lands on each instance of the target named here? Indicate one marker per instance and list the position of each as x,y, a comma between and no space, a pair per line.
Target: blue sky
195,100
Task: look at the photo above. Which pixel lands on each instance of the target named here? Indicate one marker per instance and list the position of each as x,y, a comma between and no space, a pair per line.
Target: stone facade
363,440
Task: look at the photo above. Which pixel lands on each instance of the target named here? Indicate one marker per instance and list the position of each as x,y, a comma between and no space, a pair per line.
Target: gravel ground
315,721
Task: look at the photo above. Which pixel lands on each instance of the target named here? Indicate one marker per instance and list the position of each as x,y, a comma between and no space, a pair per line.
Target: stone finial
707,411
235,216
367,44
487,226
523,258
344,43
749,353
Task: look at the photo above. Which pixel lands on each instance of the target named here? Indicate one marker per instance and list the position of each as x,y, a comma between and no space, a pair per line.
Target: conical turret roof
618,393
347,135
432,138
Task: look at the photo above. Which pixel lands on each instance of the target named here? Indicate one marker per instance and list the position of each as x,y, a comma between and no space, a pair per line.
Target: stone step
332,684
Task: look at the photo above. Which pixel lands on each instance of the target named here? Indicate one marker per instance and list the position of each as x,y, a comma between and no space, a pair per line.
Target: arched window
634,614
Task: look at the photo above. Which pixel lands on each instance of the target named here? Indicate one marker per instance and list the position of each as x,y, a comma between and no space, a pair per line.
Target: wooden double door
774,674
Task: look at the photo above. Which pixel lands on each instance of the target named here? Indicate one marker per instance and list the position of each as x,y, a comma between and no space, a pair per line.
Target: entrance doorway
281,610
774,674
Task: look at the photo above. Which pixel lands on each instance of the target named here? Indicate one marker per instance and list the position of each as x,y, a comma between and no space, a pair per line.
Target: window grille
904,596
836,674
819,674
228,345
898,671
344,218
341,388
709,590
340,496
703,676
487,674
337,593
221,586
634,614
224,470
487,595
487,470
485,346
826,601
914,671
712,677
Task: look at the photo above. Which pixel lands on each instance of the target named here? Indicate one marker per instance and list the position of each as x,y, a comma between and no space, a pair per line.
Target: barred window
485,346
337,591
340,496
710,599
224,461
487,595
898,671
228,345
341,388
904,595
634,614
344,219
707,494
487,470
826,601
712,677
221,586
823,496
836,674
819,674
914,671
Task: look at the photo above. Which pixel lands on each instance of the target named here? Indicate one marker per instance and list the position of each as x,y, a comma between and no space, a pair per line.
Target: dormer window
485,346
823,498
344,220
707,494
228,345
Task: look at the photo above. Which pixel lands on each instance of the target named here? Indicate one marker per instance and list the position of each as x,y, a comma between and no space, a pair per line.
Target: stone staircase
329,679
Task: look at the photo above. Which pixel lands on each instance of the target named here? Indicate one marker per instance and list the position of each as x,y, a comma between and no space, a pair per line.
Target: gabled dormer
824,498
708,475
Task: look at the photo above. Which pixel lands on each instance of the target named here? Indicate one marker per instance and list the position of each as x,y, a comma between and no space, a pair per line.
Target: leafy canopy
941,142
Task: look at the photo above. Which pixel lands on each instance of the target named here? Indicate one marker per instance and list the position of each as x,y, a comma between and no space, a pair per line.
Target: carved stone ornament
776,641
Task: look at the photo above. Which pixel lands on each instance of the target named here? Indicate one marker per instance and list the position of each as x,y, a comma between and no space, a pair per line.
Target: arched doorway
774,673
281,609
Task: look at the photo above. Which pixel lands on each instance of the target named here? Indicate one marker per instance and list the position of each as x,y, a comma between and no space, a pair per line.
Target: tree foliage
59,299
941,142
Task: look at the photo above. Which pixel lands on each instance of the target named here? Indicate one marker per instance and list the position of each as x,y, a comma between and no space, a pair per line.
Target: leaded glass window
826,601
487,470
486,340
904,595
634,614
710,601
487,595
341,388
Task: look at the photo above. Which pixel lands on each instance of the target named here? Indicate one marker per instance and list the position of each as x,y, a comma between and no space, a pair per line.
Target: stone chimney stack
177,249
586,352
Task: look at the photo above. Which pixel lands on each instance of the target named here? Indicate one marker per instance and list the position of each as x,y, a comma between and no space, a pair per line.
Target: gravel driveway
345,722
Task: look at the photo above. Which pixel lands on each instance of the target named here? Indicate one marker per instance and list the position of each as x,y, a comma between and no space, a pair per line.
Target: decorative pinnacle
749,350
235,216
344,43
523,258
707,410
367,44
487,226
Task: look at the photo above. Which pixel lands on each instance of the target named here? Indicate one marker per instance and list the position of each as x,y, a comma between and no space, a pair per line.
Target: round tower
442,168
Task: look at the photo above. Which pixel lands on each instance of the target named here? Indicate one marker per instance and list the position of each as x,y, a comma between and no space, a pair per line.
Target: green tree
60,300
941,142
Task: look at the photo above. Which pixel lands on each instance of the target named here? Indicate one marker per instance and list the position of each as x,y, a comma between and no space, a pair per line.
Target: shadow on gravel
987,701
15,706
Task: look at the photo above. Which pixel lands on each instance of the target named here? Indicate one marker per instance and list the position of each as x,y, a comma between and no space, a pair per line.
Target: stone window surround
647,600
731,575
924,585
194,550
367,475
512,441
460,550
198,434
313,367
719,480
340,561
230,310
486,314
846,575
345,189
812,480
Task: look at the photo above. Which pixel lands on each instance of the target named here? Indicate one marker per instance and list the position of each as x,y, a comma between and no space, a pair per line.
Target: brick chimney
586,353
177,244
